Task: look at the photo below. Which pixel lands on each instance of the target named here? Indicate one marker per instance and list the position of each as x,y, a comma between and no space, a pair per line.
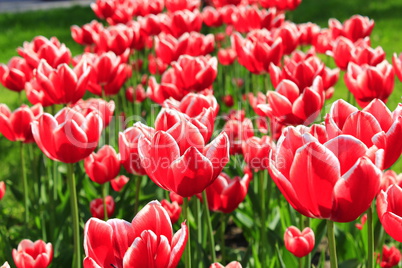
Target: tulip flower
117,38
355,28
397,63
363,220
233,264
289,34
104,109
323,180
223,3
30,254
16,126
173,209
390,257
136,94
248,18
182,21
390,177
146,7
323,41
59,86
389,213
199,44
369,82
14,75
176,5
97,209
168,48
2,189
51,50
226,56
382,128
102,166
299,243
117,243
119,182
211,17
69,136
225,194
177,158
87,34
156,65
308,32
238,132
228,100
256,152
280,4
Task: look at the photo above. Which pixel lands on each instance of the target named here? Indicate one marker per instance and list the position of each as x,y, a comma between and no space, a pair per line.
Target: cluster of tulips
231,124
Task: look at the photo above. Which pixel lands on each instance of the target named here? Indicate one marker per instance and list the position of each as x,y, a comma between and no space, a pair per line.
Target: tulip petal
362,126
122,238
217,151
178,244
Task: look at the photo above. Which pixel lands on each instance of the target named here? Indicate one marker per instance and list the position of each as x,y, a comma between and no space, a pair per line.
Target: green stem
199,231
187,251
370,233
300,262
263,232
332,244
104,194
306,223
24,183
209,225
74,215
222,233
137,194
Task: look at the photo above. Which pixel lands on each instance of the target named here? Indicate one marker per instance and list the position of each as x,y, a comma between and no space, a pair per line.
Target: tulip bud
33,254
102,166
299,243
119,182
173,209
97,210
390,257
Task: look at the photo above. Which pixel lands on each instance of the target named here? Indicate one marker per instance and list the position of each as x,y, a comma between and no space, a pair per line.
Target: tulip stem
263,233
24,183
332,245
104,194
370,231
198,214
187,251
74,215
306,223
209,225
137,194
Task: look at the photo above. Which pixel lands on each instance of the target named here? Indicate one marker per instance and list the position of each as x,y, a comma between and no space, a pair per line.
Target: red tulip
177,158
228,100
299,243
369,82
308,32
104,9
238,132
397,63
180,22
87,34
176,198
193,104
2,189
136,94
212,17
14,75
108,73
69,136
173,209
291,105
30,254
248,18
146,7
323,41
58,86
355,28
104,109
256,152
324,180
258,50
102,166
289,34
97,210
16,126
390,257
382,129
156,65
199,44
176,5
168,48
117,243
128,147
223,3
225,194
5,265
390,177
363,220
119,182
389,212
117,38
280,4
150,25
233,264
51,50
227,56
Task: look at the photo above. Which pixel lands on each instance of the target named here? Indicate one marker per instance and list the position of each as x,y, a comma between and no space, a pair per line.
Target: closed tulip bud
119,182
102,166
119,243
233,264
97,210
14,75
69,136
228,100
389,213
2,189
173,209
16,126
225,194
299,243
30,254
390,257
256,152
